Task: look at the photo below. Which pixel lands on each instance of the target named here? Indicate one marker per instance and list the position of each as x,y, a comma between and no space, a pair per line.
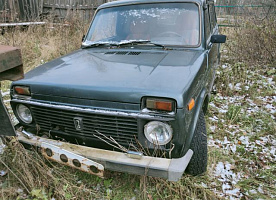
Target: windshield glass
162,23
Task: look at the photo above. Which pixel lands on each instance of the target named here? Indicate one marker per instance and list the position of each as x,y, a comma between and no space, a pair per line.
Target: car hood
116,75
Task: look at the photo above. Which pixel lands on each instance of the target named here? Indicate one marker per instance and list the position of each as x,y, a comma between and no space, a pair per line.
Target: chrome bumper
94,161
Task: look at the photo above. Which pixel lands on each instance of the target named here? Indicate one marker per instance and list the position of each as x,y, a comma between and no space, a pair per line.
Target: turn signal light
191,104
22,90
159,104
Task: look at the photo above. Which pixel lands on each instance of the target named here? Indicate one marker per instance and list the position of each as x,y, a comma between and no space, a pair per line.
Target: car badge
78,123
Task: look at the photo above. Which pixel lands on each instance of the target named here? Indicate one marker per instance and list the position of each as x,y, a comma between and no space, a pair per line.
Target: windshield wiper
122,43
158,45
96,44
133,42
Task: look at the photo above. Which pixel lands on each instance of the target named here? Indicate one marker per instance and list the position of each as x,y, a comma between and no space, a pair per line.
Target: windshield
162,23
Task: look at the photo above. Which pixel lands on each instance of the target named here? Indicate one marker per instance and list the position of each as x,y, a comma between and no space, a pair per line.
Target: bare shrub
255,43
252,40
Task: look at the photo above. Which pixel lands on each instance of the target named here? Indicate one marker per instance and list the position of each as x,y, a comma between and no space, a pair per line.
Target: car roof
131,2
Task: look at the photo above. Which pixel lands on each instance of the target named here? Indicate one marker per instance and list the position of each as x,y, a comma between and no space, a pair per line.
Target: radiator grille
122,129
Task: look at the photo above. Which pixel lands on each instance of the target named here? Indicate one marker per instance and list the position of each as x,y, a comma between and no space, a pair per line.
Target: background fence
36,10
236,12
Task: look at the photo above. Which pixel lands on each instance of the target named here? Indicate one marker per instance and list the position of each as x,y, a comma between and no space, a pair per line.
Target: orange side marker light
191,104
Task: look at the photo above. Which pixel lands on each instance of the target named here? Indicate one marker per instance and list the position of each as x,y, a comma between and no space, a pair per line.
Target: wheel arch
201,104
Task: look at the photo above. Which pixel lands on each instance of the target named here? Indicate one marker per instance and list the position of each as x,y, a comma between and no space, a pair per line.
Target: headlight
158,133
24,113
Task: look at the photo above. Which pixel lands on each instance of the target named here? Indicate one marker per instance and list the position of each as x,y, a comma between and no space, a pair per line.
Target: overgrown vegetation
241,128
254,43
42,43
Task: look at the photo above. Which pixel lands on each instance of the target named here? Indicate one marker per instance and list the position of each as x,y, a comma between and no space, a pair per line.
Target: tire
198,162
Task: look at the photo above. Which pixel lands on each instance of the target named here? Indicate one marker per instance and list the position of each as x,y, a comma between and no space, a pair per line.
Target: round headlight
24,113
158,133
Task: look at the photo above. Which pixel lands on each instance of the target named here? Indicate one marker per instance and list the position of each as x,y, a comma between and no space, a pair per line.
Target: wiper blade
125,42
139,42
159,45
96,44
122,43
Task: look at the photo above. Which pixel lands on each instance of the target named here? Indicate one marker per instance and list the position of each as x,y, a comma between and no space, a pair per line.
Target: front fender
194,115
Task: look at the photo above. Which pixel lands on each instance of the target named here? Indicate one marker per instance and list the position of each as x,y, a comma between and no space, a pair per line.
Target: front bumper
95,161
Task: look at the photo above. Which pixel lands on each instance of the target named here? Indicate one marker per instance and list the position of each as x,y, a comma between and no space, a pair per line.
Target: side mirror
218,38
82,39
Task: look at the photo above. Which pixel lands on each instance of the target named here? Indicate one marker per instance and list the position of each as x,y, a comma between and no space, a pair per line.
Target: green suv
133,97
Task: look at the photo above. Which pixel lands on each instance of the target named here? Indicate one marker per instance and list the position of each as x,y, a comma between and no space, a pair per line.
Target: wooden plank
11,66
10,57
12,10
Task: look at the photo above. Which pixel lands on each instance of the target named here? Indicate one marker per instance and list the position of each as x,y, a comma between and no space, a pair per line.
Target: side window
212,16
206,24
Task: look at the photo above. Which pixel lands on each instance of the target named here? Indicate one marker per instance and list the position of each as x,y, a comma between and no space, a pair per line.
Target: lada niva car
133,97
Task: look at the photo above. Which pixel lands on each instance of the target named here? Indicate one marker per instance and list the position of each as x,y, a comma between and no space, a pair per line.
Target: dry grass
43,43
29,175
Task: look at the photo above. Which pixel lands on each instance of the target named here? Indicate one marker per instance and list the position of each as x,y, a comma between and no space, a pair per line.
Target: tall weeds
254,42
252,45
29,175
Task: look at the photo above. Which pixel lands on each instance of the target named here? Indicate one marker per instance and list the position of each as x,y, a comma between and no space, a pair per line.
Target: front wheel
198,162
